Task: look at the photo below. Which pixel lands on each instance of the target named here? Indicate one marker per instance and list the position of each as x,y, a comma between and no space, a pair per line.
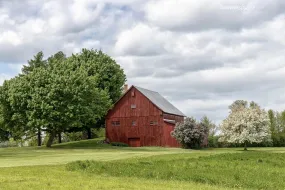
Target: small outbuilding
142,117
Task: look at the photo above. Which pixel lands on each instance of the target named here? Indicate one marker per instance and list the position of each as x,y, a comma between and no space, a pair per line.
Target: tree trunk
59,138
89,134
39,137
245,147
50,139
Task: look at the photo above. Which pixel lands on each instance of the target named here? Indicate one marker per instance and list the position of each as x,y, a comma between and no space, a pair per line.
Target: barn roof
160,101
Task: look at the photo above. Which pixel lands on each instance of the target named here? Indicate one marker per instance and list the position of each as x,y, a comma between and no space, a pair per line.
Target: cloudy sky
201,55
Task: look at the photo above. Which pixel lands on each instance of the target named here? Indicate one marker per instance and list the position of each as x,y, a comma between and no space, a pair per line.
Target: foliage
119,144
245,124
73,136
37,62
211,132
272,121
210,125
277,127
9,143
55,97
13,109
78,136
98,132
213,141
190,133
4,135
110,76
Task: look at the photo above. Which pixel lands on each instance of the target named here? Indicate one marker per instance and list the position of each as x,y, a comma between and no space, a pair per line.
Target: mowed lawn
106,167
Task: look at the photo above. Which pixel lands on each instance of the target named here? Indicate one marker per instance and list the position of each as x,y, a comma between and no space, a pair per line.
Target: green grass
56,177
82,150
112,167
237,170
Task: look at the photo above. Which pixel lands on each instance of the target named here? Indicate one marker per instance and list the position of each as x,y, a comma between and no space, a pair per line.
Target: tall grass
252,169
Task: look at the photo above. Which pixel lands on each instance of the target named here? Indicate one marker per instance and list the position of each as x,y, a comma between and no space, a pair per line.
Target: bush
213,141
98,132
278,139
33,141
11,143
190,133
119,144
74,136
8,144
82,135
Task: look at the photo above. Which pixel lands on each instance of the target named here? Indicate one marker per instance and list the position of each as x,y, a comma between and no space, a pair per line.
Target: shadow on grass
98,144
248,150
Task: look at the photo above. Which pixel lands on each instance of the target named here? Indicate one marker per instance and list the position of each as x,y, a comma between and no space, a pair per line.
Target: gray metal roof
160,101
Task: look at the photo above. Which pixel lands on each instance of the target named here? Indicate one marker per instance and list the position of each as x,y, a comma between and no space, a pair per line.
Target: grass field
106,167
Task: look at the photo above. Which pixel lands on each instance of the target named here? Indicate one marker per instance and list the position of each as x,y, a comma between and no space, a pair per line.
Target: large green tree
39,62
3,133
56,97
109,76
64,97
60,93
13,110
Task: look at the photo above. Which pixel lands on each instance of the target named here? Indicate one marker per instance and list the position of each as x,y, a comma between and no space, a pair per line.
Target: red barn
142,117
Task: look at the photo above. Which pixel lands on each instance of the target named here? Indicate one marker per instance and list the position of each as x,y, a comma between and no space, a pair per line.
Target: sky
200,55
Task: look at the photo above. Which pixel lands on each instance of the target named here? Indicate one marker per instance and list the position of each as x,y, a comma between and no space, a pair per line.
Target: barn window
134,123
133,93
133,106
153,123
115,123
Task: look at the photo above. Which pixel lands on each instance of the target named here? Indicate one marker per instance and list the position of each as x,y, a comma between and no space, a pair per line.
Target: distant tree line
277,127
59,94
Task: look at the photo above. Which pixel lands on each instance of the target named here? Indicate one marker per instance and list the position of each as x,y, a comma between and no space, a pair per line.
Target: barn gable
158,100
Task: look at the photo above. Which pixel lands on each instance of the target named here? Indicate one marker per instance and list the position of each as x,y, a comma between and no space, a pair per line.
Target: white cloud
207,14
10,37
201,55
141,40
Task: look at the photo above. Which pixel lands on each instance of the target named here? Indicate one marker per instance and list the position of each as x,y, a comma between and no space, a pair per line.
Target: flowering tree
190,133
245,124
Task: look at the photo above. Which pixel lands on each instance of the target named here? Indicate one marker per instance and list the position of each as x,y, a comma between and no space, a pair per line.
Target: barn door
134,142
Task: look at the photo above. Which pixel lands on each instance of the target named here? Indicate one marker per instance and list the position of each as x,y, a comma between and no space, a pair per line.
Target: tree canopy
245,124
110,76
60,93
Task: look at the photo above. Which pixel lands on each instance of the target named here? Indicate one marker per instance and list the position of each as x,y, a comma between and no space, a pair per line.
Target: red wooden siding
142,133
176,118
169,140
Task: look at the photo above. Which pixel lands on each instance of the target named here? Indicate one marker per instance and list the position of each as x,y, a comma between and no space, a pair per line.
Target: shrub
98,132
213,141
190,133
119,144
73,136
33,141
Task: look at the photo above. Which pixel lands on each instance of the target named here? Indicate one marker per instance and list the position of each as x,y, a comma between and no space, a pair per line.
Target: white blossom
190,133
245,124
